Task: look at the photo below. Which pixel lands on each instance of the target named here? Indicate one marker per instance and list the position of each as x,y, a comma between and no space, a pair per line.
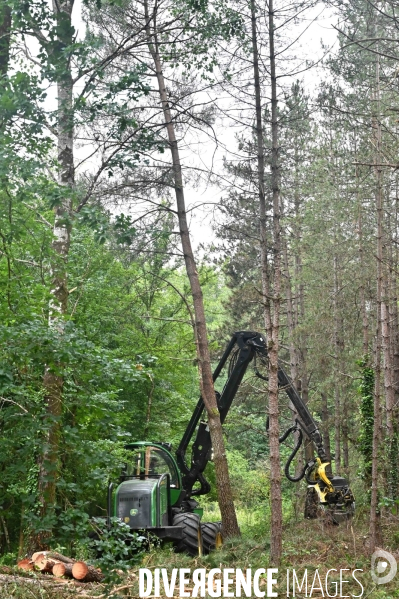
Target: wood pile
60,566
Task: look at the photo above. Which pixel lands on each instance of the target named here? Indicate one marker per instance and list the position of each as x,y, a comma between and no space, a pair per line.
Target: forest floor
308,546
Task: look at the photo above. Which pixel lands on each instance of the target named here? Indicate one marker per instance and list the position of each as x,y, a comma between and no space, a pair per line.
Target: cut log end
26,564
60,569
45,564
82,571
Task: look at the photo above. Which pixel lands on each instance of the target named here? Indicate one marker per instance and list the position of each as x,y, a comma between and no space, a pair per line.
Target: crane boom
243,348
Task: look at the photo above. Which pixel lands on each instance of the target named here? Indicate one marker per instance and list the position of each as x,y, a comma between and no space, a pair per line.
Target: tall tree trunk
386,334
53,381
394,349
389,336
337,352
345,434
375,528
395,343
293,352
271,305
225,497
325,418
299,307
272,311
365,320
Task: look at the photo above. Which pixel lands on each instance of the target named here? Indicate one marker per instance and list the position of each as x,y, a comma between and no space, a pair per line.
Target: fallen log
84,572
26,564
46,564
60,569
60,558
53,555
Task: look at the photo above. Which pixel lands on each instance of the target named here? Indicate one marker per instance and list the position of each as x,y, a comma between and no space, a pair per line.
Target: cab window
151,462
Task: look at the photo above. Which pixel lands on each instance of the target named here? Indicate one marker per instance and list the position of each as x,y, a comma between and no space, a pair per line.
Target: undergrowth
308,545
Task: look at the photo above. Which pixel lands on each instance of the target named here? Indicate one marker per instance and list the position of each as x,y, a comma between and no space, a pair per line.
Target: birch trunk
53,381
225,497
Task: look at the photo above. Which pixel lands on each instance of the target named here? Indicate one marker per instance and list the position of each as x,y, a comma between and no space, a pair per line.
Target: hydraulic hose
292,429
294,479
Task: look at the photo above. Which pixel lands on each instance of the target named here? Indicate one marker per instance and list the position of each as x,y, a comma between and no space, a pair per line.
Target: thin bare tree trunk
395,349
365,320
290,319
293,352
345,433
271,305
375,528
394,353
272,317
337,352
302,381
5,32
225,497
303,388
388,366
325,418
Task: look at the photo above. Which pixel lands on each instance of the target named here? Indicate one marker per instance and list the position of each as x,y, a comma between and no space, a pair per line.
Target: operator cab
150,460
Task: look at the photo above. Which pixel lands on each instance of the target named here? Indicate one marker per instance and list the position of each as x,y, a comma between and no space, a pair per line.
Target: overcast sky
316,29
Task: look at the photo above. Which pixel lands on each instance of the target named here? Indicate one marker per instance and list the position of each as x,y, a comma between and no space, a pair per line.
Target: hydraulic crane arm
248,345
306,421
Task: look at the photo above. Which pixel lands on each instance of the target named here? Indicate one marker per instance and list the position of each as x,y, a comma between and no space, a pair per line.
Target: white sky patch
200,152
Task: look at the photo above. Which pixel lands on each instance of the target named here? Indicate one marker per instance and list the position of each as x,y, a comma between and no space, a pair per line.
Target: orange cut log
45,564
26,564
60,569
84,572
37,555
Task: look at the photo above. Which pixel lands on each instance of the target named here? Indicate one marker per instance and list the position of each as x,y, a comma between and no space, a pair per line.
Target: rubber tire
191,542
211,536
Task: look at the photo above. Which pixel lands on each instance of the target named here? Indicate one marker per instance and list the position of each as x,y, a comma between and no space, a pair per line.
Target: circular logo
383,567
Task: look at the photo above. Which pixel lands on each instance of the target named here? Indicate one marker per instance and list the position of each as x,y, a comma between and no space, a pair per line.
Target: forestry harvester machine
157,491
